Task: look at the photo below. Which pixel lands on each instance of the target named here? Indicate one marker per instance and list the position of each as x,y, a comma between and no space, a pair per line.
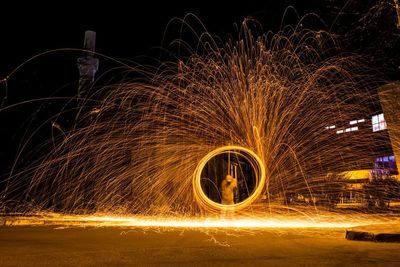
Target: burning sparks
142,149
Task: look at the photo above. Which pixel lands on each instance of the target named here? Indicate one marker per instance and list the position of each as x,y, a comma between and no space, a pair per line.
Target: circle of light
207,203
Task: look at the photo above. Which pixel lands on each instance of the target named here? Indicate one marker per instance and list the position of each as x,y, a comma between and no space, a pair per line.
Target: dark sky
128,30
123,31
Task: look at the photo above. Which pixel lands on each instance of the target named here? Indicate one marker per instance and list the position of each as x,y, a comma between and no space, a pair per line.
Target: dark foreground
112,246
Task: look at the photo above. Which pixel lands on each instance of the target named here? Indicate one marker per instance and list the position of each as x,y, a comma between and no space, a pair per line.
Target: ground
51,245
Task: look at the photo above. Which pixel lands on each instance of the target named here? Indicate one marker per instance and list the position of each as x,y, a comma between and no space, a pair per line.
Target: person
228,187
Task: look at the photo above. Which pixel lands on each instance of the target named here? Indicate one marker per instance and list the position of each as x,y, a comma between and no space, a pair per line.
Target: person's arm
234,183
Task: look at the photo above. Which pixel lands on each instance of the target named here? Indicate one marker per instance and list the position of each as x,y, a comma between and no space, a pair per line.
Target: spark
272,95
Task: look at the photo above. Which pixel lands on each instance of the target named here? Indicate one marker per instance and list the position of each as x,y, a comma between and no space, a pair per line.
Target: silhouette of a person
228,187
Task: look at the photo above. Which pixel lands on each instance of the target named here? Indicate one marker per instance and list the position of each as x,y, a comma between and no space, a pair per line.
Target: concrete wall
389,96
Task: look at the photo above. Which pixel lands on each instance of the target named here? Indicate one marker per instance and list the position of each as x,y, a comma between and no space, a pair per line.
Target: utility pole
87,64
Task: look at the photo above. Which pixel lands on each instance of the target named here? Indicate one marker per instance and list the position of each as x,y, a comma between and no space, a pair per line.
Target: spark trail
273,94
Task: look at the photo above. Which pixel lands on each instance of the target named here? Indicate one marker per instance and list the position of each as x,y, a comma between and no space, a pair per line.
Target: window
378,123
385,159
330,127
339,131
351,129
356,121
386,163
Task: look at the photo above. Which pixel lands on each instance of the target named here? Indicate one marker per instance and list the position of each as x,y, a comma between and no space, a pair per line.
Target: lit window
351,129
356,121
330,127
385,159
386,164
378,123
339,131
375,119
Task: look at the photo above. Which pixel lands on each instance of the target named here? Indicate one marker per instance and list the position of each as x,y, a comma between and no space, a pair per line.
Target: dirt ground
114,246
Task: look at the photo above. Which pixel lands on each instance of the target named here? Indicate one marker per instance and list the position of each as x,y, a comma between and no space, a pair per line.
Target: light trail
325,220
210,205
273,94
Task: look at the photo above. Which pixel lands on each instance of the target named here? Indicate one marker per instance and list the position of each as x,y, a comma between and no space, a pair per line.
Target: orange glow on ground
242,222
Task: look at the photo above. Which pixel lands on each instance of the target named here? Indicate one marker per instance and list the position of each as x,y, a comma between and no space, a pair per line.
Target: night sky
363,26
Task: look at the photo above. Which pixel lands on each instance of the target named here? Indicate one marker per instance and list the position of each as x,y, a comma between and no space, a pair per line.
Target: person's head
229,178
